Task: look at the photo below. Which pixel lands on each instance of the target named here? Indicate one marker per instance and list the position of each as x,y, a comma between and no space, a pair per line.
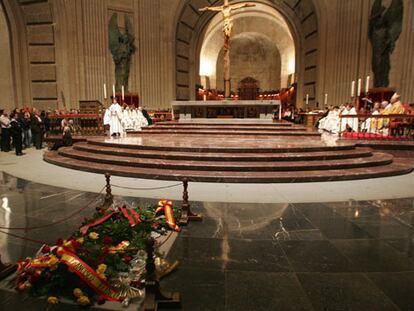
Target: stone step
392,169
226,128
228,122
375,160
155,130
201,144
225,156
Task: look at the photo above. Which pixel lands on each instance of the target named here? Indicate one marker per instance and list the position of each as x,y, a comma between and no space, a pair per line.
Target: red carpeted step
231,177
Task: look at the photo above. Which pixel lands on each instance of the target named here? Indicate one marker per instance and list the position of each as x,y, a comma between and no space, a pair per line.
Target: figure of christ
226,10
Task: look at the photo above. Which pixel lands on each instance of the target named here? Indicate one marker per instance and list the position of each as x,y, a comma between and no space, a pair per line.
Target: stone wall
6,81
60,51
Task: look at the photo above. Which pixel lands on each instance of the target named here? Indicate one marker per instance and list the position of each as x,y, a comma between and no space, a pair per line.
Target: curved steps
392,169
223,156
375,160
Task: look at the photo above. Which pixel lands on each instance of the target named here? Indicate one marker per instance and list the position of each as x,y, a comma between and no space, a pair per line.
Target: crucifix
226,10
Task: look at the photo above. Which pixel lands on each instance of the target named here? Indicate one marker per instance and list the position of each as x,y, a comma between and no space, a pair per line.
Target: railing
83,124
368,126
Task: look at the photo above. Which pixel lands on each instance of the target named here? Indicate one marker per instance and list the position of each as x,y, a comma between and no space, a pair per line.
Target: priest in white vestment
115,118
349,123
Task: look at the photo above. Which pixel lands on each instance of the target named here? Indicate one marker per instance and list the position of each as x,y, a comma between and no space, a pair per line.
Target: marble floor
350,255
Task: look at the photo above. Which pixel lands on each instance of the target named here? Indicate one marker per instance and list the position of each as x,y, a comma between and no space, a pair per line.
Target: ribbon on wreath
132,216
89,276
166,207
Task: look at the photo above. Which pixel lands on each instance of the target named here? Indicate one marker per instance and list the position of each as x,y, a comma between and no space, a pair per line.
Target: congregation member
16,133
67,139
5,131
37,127
24,120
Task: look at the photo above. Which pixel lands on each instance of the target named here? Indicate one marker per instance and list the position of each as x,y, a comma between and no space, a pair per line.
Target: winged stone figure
385,26
122,47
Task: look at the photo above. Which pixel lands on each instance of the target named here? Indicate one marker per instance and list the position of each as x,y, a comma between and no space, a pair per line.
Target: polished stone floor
354,255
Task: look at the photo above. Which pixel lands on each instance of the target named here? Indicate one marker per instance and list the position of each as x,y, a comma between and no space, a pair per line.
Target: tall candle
326,99
123,93
113,90
307,99
105,97
367,85
359,87
353,89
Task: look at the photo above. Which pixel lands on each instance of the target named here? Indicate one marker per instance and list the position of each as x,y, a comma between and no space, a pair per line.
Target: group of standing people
22,129
124,119
335,121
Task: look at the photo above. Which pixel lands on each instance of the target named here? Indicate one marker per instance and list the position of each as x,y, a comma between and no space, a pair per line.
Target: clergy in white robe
141,119
349,123
115,124
127,122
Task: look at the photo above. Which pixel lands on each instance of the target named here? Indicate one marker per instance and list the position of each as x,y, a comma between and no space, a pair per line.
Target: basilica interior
207,155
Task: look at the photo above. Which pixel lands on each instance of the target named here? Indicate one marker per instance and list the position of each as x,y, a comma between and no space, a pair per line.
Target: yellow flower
101,269
83,301
77,292
27,284
80,240
68,243
53,260
94,235
53,300
102,276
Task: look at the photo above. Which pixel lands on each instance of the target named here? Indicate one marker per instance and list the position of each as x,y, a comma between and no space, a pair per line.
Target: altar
227,109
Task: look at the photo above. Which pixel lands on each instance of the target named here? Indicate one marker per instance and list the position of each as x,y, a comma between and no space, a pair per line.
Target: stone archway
301,15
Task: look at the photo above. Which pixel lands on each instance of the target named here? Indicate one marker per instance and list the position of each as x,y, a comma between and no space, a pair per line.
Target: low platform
227,155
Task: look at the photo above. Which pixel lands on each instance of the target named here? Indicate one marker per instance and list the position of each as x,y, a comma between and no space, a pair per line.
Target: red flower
59,242
108,240
105,250
45,249
101,260
100,300
127,259
76,244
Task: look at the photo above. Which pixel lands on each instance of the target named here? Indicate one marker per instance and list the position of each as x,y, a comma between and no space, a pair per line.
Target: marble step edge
251,157
220,149
248,133
230,129
218,123
231,177
376,160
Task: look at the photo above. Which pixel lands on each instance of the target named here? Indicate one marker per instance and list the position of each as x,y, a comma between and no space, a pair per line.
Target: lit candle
353,89
359,87
105,97
326,99
123,93
367,85
307,99
204,97
113,90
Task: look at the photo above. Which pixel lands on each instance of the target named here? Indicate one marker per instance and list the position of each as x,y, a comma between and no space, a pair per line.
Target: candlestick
204,97
367,85
359,87
353,89
113,90
307,99
123,93
326,99
105,97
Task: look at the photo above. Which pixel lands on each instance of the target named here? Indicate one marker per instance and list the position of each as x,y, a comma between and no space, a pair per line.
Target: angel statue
385,26
122,46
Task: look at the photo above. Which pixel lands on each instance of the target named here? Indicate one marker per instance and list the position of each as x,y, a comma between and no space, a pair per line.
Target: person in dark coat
16,133
37,126
5,131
